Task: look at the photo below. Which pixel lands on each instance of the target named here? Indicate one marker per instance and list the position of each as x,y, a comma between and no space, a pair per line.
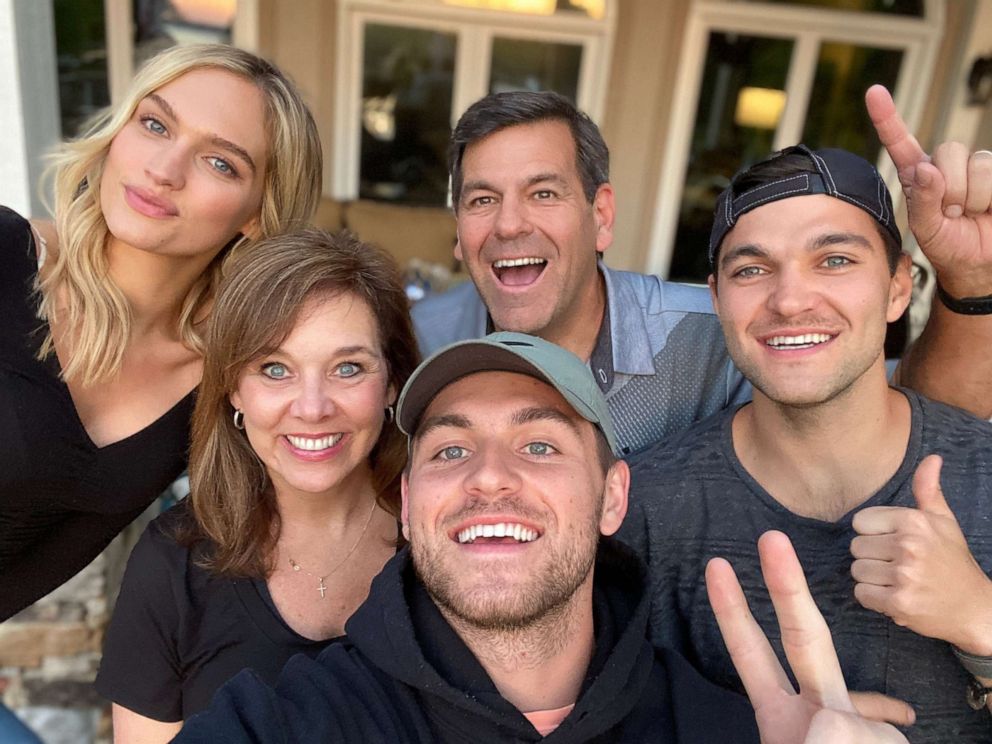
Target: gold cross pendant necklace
321,586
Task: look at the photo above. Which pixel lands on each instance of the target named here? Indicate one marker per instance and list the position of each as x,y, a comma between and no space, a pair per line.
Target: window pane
895,7
837,116
81,48
740,102
408,76
535,65
159,24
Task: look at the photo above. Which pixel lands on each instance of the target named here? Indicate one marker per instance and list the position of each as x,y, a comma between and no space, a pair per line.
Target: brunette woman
101,340
294,474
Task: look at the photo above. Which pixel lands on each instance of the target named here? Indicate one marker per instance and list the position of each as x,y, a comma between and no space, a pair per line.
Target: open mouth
802,341
519,272
502,533
314,444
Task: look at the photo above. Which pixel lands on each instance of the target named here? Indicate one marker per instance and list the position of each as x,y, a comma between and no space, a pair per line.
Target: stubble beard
480,603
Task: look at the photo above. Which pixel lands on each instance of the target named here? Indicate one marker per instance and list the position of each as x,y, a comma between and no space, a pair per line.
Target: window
408,68
758,77
100,43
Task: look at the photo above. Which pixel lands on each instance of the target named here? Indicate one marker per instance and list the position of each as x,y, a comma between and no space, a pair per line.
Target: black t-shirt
179,632
62,498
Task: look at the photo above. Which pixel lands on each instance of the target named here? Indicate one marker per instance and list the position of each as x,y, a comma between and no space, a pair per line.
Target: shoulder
655,295
678,454
159,549
452,316
338,697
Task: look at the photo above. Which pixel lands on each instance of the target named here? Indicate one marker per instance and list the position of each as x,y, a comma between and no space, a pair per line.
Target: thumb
926,487
878,707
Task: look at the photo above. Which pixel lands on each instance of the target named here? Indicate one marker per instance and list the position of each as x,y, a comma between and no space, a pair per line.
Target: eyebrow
543,413
483,185
447,420
825,240
215,140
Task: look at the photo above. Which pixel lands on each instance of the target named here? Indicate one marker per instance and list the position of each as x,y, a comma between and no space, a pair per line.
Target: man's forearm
951,361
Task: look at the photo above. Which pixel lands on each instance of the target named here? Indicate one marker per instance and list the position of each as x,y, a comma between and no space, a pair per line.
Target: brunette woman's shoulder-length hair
257,305
77,284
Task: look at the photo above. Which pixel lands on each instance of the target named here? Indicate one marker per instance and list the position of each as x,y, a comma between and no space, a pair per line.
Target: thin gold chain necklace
321,586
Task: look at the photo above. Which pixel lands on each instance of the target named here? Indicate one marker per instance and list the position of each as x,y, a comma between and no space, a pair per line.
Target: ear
252,228
604,212
614,497
458,249
405,505
900,289
235,399
714,295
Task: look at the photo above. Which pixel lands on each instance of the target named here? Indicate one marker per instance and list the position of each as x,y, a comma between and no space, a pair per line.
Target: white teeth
314,445
803,340
506,263
503,529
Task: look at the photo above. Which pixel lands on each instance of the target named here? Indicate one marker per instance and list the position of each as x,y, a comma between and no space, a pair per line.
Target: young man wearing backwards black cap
510,618
807,269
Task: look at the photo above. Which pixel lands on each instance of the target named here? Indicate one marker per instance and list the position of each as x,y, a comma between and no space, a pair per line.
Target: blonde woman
294,469
101,339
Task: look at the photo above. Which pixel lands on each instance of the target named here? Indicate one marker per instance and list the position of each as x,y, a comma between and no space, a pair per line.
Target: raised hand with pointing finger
821,711
949,202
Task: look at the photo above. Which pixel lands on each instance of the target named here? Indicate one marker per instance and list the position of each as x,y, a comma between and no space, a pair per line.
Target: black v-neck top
62,498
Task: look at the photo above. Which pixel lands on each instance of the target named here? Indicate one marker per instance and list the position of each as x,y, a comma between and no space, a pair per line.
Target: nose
491,472
167,166
792,293
512,220
314,399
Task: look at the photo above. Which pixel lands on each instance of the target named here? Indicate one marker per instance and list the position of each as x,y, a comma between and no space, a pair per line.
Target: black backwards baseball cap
838,173
506,352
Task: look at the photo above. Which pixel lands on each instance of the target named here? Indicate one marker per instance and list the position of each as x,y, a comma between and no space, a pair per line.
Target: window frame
475,30
808,27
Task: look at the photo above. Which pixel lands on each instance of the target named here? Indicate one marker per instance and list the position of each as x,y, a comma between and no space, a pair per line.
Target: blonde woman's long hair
259,301
77,291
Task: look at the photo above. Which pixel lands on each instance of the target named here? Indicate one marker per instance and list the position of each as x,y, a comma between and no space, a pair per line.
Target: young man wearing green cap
513,617
807,270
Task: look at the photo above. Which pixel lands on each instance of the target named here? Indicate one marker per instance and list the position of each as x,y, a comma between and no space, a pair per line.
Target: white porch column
29,103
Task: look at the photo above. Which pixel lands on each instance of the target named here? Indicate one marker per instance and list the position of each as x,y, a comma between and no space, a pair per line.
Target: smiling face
804,294
505,500
526,232
314,408
186,173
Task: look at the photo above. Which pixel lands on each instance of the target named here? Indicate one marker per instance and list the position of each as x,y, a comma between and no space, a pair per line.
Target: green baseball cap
506,352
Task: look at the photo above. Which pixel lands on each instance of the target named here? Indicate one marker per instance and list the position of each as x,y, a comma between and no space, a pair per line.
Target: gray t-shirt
691,500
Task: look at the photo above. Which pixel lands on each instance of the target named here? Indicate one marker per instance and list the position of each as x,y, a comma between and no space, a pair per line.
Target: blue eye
153,125
275,370
222,166
452,453
539,448
836,261
349,369
748,271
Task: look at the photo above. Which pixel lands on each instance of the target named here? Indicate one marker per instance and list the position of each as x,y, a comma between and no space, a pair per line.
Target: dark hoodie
404,675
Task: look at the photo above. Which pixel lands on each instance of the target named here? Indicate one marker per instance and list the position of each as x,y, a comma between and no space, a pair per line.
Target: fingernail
955,210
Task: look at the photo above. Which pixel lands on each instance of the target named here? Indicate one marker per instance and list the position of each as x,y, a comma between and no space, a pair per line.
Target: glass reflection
408,76
535,65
